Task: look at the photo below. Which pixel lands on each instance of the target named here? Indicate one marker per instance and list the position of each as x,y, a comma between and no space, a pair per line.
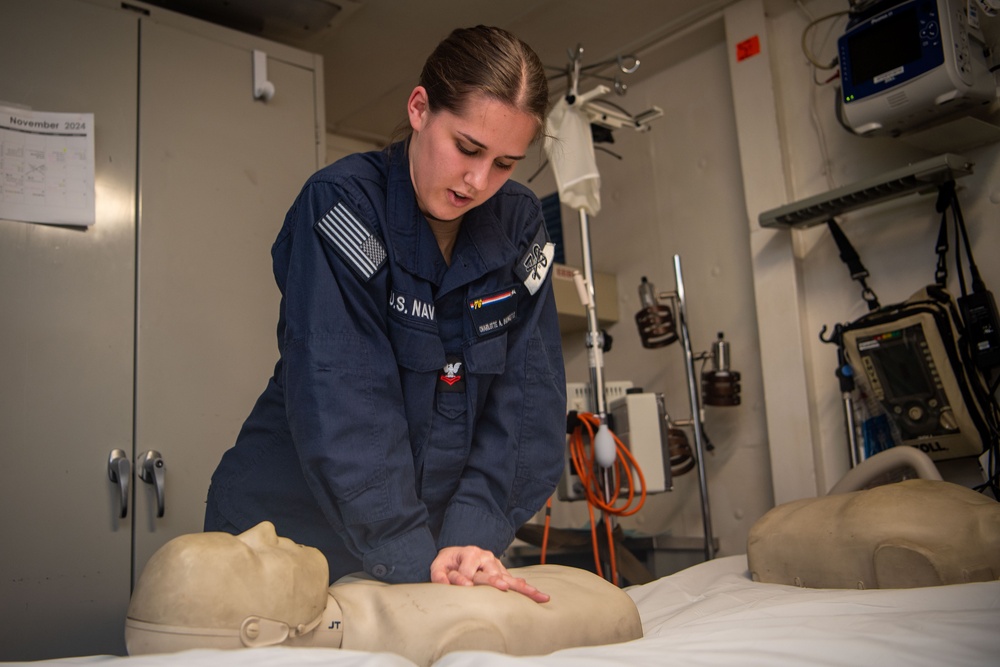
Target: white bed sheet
712,614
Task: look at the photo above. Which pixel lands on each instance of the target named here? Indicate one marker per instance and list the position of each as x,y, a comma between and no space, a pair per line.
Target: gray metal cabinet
153,330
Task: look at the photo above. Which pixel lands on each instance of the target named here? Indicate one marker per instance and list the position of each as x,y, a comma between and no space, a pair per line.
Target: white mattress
713,614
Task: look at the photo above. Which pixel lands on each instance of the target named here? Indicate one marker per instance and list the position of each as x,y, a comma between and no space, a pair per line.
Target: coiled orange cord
582,457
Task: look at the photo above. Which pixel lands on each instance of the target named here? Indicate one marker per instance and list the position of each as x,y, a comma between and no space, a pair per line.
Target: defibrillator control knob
915,413
947,420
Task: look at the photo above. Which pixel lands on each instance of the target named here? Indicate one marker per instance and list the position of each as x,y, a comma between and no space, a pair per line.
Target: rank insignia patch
353,240
452,377
535,264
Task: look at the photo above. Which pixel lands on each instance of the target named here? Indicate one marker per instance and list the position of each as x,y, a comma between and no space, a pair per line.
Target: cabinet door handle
120,472
152,471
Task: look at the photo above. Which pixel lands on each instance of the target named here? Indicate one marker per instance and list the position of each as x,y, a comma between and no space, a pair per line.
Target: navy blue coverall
415,405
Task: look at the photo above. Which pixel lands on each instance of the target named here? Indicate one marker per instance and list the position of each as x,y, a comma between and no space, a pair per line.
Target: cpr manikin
216,590
919,532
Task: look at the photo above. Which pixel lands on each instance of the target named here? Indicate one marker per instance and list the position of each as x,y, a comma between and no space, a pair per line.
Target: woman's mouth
458,199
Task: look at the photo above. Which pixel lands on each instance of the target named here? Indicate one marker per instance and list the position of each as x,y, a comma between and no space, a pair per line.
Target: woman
416,417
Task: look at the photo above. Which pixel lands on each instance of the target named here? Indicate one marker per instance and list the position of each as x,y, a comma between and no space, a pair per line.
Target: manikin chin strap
255,631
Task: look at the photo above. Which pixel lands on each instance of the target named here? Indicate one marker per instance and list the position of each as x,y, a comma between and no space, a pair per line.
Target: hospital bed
714,614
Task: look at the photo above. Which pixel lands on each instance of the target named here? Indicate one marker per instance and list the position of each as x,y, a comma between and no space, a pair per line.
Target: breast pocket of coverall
466,378
457,414
458,386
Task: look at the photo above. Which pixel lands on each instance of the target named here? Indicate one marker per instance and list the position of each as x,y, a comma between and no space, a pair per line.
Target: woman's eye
473,152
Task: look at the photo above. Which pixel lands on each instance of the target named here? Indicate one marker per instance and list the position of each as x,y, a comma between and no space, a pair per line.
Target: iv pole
605,451
611,119
595,339
604,446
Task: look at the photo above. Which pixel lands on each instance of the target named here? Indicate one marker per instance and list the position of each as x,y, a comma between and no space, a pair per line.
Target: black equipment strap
850,257
948,199
946,192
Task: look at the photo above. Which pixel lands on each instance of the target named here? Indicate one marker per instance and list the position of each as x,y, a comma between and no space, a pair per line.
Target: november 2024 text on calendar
47,167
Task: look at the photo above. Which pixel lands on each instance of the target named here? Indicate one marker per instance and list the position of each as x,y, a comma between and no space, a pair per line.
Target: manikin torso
193,593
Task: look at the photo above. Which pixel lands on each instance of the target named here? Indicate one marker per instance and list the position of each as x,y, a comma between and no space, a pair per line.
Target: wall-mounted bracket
923,176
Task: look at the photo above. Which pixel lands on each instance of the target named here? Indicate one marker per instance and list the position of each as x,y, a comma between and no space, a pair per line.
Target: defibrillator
922,364
907,357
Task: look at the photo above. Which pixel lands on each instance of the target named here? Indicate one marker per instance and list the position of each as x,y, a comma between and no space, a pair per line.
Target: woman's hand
472,566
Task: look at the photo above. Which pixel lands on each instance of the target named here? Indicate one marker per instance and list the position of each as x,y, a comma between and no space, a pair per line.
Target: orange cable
593,542
545,532
584,466
611,552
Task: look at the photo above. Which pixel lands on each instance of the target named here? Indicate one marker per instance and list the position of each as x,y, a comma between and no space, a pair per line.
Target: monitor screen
901,363
884,46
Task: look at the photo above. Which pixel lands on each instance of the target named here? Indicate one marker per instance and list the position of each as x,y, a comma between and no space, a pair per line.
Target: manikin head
216,590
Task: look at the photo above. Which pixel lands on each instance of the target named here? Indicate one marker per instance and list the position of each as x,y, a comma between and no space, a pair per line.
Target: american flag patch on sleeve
353,240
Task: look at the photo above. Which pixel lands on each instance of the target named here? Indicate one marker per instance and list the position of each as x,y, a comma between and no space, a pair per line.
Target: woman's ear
418,108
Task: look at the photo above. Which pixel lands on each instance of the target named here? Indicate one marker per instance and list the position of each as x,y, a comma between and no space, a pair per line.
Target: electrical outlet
578,394
577,397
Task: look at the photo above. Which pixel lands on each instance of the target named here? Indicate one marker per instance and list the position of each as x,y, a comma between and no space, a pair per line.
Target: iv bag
570,149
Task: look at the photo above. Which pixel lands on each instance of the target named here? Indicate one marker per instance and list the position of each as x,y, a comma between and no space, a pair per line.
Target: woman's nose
477,175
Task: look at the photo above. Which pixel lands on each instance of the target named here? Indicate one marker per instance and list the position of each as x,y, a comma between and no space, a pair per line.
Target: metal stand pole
595,347
857,451
696,412
595,339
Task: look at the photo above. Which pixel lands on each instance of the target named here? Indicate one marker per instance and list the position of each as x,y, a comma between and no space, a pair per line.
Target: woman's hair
489,61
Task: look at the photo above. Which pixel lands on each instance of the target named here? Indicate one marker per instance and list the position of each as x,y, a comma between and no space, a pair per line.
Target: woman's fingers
469,565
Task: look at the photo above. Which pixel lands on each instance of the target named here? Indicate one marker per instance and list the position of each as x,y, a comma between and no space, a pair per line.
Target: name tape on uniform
495,312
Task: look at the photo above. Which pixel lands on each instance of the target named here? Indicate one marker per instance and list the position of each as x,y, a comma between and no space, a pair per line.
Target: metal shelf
924,176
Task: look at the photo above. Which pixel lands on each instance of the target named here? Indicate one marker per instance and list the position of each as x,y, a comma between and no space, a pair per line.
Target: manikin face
215,580
458,162
272,550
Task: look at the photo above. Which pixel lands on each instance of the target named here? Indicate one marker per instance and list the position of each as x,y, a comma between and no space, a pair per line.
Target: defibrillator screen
901,364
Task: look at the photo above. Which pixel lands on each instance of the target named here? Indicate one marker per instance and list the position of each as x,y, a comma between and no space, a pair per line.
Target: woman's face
457,162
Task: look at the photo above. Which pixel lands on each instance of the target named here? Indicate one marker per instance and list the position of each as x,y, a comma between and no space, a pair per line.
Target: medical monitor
906,65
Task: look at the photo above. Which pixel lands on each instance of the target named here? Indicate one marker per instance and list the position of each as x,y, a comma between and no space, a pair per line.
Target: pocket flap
487,356
416,349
